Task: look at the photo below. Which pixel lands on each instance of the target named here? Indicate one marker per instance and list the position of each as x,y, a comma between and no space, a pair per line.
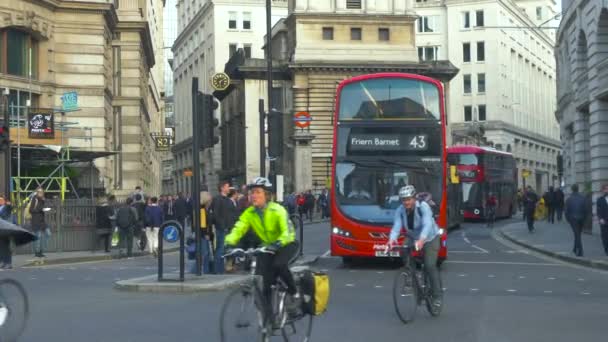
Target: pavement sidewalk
193,283
557,240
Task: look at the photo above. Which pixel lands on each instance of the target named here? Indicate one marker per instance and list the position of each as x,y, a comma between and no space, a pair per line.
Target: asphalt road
494,292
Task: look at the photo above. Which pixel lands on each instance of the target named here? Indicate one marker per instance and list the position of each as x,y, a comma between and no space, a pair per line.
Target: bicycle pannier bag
315,292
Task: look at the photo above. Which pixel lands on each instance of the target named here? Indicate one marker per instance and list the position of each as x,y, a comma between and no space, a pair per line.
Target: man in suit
602,215
576,213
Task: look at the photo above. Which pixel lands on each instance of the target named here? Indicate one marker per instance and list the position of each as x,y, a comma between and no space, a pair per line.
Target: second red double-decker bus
389,131
481,171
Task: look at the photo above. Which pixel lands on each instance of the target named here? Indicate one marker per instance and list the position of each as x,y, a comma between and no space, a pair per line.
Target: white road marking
33,278
122,268
480,249
445,288
581,279
467,252
326,254
502,263
585,293
325,270
551,278
491,276
380,272
59,278
352,271
350,285
548,291
72,268
511,290
522,277
474,290
462,275
149,268
464,237
378,286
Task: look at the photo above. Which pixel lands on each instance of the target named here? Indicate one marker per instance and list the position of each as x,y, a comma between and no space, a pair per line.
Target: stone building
106,51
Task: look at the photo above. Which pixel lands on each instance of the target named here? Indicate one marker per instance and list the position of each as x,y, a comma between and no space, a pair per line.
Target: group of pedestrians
305,203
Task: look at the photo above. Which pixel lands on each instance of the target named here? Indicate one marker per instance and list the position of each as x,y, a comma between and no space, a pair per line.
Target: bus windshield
389,98
368,191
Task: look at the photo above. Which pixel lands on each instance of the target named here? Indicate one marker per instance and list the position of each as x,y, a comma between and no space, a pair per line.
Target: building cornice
506,127
146,39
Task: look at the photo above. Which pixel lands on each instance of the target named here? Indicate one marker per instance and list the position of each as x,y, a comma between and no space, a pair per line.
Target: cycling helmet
407,191
260,182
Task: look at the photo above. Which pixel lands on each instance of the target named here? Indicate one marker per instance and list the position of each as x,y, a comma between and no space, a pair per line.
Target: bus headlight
341,232
476,211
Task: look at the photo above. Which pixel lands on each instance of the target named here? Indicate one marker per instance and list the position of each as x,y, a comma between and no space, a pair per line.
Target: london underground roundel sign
302,119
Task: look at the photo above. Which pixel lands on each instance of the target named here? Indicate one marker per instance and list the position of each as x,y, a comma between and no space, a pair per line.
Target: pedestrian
323,203
602,215
520,197
220,215
6,255
291,203
140,228
169,208
550,202
310,204
126,219
559,204
207,233
576,214
38,224
244,201
301,201
530,201
140,192
154,219
104,215
181,209
189,212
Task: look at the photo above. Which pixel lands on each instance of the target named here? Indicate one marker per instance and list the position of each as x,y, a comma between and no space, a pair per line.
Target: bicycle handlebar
250,251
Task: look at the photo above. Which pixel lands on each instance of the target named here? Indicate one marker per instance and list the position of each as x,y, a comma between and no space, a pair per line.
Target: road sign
525,173
187,173
171,234
302,119
69,101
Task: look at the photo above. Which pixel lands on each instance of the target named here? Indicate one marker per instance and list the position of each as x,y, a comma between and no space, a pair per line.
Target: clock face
220,81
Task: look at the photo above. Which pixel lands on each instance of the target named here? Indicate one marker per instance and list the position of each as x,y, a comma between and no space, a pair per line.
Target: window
246,21
466,20
428,53
232,20
481,112
468,113
481,51
539,13
15,56
479,18
384,34
481,83
328,33
232,50
353,4
355,33
467,83
428,24
466,52
247,49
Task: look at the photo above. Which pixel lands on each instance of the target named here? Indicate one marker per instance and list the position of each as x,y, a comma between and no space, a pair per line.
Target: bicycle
249,301
411,286
14,310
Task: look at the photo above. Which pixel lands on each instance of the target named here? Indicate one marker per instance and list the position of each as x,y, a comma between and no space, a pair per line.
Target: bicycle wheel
405,295
14,310
241,318
298,330
428,298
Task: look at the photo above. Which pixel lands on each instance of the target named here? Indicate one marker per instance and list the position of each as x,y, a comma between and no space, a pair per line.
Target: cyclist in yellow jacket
270,222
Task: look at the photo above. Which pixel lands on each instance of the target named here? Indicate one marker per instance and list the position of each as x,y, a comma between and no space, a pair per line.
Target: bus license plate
385,254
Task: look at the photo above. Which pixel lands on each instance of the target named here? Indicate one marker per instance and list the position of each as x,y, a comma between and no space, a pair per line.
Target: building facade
314,49
210,31
170,34
106,51
506,85
582,92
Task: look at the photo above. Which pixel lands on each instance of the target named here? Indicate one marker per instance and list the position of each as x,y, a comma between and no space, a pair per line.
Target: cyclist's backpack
314,287
124,217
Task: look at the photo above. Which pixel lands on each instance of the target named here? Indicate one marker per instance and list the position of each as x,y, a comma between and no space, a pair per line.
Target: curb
601,265
151,285
81,259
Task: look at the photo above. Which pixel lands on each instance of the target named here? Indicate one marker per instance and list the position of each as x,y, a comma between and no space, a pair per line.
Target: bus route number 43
418,142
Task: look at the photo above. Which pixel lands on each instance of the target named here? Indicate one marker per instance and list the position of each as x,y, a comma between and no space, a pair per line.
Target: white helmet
407,191
260,182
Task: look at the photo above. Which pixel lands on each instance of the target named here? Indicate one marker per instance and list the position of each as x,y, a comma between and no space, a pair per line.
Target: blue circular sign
171,234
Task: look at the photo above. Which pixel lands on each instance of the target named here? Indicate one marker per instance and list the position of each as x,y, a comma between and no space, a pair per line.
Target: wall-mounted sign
41,124
162,142
69,101
302,119
220,81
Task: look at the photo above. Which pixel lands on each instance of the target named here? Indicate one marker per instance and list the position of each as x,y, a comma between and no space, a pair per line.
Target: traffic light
560,165
4,136
208,122
275,133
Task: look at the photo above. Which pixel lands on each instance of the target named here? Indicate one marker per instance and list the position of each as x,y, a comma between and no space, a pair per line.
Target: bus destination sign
388,142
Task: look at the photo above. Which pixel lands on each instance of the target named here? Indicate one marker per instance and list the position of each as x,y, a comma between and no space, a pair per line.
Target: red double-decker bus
481,171
389,131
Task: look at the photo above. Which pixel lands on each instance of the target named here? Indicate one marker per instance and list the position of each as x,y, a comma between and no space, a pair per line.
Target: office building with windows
504,94
105,51
209,32
582,93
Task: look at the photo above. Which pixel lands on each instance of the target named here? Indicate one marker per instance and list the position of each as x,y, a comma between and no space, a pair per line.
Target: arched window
18,53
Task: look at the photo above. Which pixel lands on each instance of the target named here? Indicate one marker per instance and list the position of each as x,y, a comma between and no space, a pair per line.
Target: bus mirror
454,175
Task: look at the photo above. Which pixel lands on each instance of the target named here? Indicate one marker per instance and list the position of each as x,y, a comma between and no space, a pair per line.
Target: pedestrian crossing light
275,133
